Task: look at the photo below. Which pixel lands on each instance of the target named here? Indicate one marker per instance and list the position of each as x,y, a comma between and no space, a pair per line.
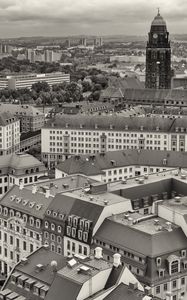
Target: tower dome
158,24
158,21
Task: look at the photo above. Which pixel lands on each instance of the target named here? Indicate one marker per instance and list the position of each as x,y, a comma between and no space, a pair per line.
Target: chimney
168,226
116,260
130,221
147,290
47,193
98,253
54,266
34,189
21,185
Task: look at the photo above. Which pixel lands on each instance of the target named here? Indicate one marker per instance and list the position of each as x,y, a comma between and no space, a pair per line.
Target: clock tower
158,56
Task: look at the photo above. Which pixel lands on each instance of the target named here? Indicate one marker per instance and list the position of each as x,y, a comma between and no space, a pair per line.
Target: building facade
13,82
9,133
74,135
158,56
31,119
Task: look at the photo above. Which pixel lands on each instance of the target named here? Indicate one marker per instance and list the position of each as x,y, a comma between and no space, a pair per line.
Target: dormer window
73,232
174,264
75,221
46,224
158,261
37,223
161,272
52,226
5,211
59,229
183,253
31,221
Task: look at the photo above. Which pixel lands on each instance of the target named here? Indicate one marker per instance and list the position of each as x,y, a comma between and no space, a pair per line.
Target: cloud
90,15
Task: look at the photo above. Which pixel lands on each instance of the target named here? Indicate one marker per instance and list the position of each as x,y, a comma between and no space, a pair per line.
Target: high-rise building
49,56
158,56
31,55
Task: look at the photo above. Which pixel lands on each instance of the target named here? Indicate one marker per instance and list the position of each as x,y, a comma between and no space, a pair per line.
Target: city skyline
92,17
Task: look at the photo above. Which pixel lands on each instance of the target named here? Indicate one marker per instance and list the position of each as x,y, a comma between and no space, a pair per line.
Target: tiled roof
126,83
90,165
32,204
23,110
152,245
123,291
19,161
153,95
117,123
6,118
67,205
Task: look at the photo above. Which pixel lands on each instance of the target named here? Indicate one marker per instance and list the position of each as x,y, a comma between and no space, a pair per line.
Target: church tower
158,56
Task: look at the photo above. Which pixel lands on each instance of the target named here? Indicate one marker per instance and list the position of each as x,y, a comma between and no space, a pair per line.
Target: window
183,280
46,224
85,251
80,249
158,261
158,289
183,253
24,246
52,226
174,284
165,286
174,266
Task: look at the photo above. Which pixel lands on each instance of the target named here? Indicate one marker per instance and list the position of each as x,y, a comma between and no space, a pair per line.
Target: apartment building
13,82
22,211
151,238
74,216
122,164
71,135
9,133
47,275
31,119
17,168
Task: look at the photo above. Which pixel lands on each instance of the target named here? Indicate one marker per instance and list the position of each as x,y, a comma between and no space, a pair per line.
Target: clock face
155,35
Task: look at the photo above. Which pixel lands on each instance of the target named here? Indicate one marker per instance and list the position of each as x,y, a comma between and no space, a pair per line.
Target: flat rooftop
84,270
150,224
62,185
151,178
102,199
179,204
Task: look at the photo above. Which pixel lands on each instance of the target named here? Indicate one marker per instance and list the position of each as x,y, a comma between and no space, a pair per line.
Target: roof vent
177,199
183,176
39,267
54,265
156,222
98,252
91,198
105,202
24,261
126,216
112,162
65,185
141,181
168,226
71,263
83,270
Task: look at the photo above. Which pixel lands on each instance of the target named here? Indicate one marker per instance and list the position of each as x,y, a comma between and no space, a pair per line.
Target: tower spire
158,8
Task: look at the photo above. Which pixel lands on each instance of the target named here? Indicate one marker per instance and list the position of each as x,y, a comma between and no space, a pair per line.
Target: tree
40,86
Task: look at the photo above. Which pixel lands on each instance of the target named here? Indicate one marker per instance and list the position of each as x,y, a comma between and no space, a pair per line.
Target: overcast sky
98,17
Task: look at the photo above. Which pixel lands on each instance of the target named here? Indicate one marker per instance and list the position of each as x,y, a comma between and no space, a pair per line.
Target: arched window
174,267
59,249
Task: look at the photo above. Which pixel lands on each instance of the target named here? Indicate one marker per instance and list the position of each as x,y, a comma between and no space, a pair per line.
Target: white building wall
94,285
